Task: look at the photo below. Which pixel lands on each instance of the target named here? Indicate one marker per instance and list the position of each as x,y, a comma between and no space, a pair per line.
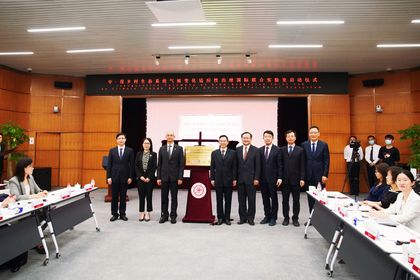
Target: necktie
371,154
290,149
121,153
313,147
223,153
266,153
170,150
245,153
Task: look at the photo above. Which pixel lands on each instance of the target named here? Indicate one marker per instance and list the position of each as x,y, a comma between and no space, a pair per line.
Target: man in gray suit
249,164
223,178
170,172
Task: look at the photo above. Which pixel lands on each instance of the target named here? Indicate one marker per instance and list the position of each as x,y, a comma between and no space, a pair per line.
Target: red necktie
245,153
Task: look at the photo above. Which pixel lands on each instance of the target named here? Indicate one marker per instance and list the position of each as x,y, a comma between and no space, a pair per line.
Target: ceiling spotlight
157,58
219,59
248,58
187,59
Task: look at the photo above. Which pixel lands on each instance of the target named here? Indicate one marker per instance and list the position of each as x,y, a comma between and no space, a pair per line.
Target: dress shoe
173,220
241,222
296,223
113,218
228,222
251,222
285,222
219,222
264,221
162,220
307,223
147,217
272,223
123,217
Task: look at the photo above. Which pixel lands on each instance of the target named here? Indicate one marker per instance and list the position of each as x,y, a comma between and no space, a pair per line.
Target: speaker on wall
373,83
63,85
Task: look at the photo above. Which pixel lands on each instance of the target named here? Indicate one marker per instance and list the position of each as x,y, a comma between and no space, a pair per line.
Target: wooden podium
199,208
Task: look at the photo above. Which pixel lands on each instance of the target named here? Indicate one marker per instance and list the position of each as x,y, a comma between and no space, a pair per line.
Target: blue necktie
121,153
290,149
313,148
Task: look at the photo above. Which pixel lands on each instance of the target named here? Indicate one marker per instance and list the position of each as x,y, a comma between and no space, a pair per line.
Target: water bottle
413,250
92,183
318,188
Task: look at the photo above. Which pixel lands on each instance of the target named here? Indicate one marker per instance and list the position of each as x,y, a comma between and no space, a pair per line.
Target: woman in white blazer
406,209
23,185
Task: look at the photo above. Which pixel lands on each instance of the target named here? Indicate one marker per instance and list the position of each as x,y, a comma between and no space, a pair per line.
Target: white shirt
26,189
269,150
119,149
376,148
348,152
406,212
316,143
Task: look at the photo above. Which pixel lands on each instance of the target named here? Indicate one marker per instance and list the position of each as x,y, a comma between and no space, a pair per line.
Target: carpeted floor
149,250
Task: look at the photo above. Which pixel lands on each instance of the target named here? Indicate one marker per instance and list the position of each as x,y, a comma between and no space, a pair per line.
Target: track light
248,58
187,59
157,58
219,59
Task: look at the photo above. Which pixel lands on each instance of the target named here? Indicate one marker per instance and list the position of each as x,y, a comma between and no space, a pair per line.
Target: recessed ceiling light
294,46
398,45
415,21
90,50
16,53
58,29
309,22
192,47
174,24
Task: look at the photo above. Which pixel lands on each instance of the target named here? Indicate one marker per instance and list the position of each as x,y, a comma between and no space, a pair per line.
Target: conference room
110,108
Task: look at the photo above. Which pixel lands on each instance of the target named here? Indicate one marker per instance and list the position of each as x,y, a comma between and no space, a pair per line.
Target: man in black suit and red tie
249,164
223,178
292,166
270,178
317,157
170,172
119,174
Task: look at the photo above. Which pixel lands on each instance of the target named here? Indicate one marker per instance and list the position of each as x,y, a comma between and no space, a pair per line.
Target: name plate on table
198,155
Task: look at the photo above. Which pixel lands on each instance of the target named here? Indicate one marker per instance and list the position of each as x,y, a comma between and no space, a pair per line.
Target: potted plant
13,136
413,133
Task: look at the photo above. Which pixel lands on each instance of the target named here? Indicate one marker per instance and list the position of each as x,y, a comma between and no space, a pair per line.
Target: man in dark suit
270,178
119,172
249,164
170,172
317,157
292,166
2,153
223,178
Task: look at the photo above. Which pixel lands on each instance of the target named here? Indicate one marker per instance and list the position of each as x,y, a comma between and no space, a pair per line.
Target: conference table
21,225
367,245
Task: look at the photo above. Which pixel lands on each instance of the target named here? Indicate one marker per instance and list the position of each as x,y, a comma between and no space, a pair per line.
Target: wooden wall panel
44,104
71,141
13,101
415,97
72,123
97,174
362,104
415,80
47,159
337,162
45,122
93,159
73,105
332,123
327,104
47,141
391,123
70,176
336,142
98,141
15,81
395,103
102,123
363,124
71,159
102,104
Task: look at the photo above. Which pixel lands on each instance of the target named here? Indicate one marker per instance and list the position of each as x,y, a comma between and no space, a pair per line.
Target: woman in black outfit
146,162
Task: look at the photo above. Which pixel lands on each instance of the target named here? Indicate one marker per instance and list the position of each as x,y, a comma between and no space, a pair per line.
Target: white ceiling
242,26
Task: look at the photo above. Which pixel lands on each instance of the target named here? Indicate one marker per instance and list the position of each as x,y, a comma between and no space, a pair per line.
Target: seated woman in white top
406,209
23,185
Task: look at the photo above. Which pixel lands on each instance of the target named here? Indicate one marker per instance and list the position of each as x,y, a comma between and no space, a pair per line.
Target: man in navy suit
270,178
170,172
223,178
249,164
119,174
292,166
317,161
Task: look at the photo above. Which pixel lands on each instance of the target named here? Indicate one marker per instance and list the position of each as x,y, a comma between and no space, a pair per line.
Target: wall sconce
56,109
219,59
187,59
157,59
248,58
379,109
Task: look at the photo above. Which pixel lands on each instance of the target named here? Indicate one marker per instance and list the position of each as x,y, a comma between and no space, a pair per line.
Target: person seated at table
390,195
6,199
23,185
406,209
376,192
